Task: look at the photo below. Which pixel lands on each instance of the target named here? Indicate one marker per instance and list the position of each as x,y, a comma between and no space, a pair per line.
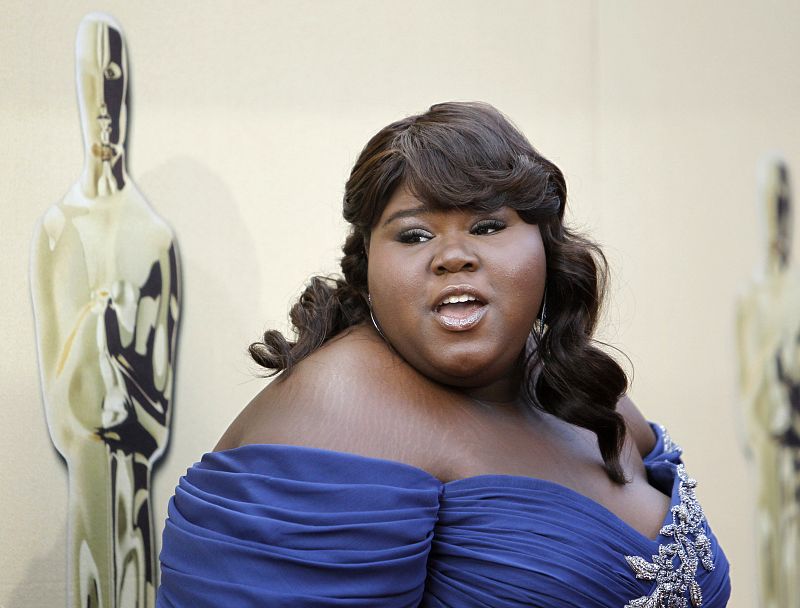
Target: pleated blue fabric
279,525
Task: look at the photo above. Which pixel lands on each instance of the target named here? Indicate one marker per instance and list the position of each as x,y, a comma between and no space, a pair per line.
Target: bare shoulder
638,428
352,395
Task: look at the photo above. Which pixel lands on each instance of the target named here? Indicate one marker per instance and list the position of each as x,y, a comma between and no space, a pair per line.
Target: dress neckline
485,481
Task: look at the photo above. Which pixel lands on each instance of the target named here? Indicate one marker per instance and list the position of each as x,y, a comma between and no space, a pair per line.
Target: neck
503,393
103,177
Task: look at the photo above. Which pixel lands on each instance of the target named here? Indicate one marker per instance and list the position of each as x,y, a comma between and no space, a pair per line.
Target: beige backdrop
247,116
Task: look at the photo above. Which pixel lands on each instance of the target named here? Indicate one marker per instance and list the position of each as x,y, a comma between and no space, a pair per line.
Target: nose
454,255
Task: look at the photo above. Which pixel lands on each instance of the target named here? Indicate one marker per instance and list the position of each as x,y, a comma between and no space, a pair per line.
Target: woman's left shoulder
637,426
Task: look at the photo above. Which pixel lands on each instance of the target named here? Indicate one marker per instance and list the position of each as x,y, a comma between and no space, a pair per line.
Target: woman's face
456,292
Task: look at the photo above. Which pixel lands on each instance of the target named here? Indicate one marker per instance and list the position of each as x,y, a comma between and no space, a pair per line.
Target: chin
466,370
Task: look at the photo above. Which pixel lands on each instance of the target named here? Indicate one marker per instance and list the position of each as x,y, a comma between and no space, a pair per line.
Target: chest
539,447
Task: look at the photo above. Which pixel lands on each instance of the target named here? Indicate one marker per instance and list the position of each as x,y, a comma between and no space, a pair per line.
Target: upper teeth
457,299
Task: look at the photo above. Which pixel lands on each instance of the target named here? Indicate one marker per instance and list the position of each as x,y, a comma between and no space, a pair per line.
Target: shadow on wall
43,585
221,293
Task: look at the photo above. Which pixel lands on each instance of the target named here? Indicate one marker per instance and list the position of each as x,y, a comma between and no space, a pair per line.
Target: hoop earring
540,325
374,321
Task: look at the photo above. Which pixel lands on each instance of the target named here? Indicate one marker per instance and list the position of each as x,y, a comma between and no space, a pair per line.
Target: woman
443,431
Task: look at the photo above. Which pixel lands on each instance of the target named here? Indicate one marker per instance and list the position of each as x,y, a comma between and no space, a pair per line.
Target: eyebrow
419,210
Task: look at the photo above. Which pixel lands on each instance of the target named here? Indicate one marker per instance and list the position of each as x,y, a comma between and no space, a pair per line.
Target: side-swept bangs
455,156
471,157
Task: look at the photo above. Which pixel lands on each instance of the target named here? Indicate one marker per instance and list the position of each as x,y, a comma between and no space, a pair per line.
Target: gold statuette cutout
105,285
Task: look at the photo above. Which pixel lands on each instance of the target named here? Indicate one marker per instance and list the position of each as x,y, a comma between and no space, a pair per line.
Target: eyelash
481,228
411,236
493,225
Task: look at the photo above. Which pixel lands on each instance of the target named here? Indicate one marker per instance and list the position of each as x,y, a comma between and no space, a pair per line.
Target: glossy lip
454,323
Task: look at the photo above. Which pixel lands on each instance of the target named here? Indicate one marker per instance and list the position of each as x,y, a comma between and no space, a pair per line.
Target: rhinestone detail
669,445
690,546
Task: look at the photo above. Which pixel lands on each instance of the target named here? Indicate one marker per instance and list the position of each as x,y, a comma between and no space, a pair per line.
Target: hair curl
468,155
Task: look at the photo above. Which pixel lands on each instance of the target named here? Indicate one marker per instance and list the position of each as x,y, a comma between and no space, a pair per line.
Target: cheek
521,277
394,286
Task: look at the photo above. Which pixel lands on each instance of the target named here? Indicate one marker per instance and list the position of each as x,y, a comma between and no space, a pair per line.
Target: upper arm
637,426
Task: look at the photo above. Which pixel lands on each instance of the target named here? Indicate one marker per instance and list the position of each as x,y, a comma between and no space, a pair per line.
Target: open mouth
460,312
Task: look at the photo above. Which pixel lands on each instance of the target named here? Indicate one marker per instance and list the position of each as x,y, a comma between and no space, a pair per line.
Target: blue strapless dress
278,525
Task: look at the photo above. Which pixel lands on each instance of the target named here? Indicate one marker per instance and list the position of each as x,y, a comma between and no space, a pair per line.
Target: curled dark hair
468,155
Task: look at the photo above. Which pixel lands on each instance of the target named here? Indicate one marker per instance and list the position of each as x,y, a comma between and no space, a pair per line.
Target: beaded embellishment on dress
669,445
690,547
